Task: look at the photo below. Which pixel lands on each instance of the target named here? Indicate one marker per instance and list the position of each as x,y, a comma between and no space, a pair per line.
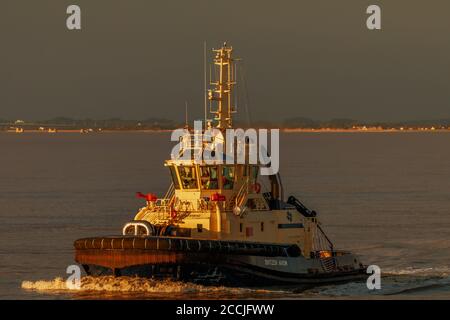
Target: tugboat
217,225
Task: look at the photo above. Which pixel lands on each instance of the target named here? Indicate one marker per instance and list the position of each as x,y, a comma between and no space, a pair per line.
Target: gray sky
139,59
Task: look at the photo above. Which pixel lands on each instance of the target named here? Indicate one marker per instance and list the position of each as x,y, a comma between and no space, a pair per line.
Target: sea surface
385,196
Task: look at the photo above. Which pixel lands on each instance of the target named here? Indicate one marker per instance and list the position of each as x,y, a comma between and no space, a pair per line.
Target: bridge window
228,177
173,173
188,177
209,177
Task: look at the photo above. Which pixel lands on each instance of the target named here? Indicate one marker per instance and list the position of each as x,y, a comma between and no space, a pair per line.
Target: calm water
385,196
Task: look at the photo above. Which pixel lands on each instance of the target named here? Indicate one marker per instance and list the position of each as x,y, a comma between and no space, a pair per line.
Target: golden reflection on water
133,287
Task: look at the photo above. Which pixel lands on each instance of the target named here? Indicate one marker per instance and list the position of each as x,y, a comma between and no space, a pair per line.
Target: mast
221,96
204,85
186,120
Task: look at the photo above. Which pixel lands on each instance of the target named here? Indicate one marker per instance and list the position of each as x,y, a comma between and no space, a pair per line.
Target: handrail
169,192
330,243
243,191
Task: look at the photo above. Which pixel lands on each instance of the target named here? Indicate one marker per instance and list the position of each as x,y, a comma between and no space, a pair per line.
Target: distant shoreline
79,131
367,130
286,130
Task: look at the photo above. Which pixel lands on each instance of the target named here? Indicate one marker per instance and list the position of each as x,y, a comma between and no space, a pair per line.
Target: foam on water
400,283
428,271
111,284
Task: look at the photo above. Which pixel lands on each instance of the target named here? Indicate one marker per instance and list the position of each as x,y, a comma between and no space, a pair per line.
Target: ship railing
195,144
205,205
242,194
239,199
170,192
162,203
328,264
157,210
199,139
324,236
162,206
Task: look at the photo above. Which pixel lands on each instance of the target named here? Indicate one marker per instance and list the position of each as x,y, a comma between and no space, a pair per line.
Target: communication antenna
205,93
222,93
186,120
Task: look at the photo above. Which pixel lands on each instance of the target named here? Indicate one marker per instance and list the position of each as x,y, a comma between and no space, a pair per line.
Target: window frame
175,179
195,179
233,167
200,169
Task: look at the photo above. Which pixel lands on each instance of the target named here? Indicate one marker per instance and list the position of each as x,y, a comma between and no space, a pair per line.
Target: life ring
257,187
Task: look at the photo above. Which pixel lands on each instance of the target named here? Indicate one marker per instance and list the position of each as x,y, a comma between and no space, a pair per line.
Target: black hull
226,276
228,263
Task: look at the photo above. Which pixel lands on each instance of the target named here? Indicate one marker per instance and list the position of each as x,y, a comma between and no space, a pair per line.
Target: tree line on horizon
167,124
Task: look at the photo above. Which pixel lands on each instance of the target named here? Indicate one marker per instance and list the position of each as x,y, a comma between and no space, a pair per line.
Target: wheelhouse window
209,177
188,177
173,173
228,177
